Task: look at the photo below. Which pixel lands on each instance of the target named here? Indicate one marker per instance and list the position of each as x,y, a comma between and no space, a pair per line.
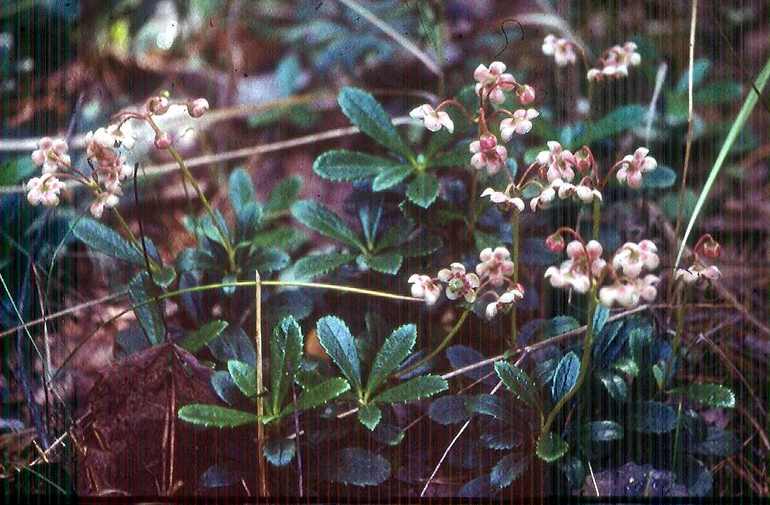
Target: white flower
44,189
632,258
51,154
506,300
493,81
616,61
566,275
495,265
628,294
504,200
459,283
425,287
544,199
698,272
433,119
488,154
586,194
104,200
562,50
648,287
560,162
633,166
520,123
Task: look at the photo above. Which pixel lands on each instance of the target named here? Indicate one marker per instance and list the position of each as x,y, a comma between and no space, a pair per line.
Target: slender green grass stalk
260,384
732,135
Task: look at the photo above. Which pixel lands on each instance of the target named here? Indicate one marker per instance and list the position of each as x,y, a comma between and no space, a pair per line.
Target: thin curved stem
440,347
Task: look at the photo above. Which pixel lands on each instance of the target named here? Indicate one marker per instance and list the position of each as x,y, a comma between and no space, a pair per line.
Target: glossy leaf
215,416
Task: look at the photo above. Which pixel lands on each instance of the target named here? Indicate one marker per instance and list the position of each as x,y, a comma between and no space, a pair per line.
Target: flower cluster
562,50
615,62
699,271
494,271
627,272
106,152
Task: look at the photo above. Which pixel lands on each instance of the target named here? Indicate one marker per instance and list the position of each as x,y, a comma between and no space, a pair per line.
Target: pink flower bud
526,94
158,105
162,141
487,142
198,107
584,159
710,247
555,243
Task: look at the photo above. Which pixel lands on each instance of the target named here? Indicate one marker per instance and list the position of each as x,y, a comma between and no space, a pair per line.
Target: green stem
515,276
472,205
202,197
132,238
597,218
441,346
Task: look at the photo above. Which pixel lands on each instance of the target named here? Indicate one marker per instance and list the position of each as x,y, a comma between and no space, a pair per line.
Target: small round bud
158,105
162,141
198,107
487,142
710,247
526,94
555,243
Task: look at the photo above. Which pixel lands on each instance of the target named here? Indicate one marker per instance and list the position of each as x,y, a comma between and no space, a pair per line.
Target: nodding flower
560,162
488,154
505,301
495,265
520,123
425,287
51,155
432,119
503,200
562,50
634,166
615,62
493,82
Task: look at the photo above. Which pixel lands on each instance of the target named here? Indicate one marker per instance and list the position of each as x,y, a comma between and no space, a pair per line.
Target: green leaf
391,176
603,431
280,451
414,389
283,195
216,416
566,375
459,156
393,352
268,260
621,119
700,70
334,336
104,240
661,178
615,386
356,466
240,190
388,263
318,395
286,344
732,135
717,93
508,469
551,447
369,116
423,190
244,376
317,217
316,265
289,238
500,439
710,395
13,171
518,382
200,338
422,245
449,409
488,405
654,417
342,165
601,314
370,416
141,290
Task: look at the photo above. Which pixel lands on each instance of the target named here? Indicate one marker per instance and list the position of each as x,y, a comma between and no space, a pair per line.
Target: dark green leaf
13,171
317,217
289,238
654,417
164,276
449,409
283,195
387,263
393,352
370,416
341,165
358,467
225,387
661,178
615,385
279,451
566,375
603,431
334,336
499,439
518,382
318,395
710,395
233,343
601,314
508,469
621,119
413,389
240,191
423,190
461,356
213,415
268,260
700,70
609,344
316,265
391,176
551,447
718,93
488,405
421,245
366,113
102,239
244,376
200,338
141,290
286,343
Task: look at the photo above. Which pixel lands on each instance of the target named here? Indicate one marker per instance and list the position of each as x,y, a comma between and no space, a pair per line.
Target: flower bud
710,248
198,107
162,141
526,94
555,243
158,105
585,159
487,142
